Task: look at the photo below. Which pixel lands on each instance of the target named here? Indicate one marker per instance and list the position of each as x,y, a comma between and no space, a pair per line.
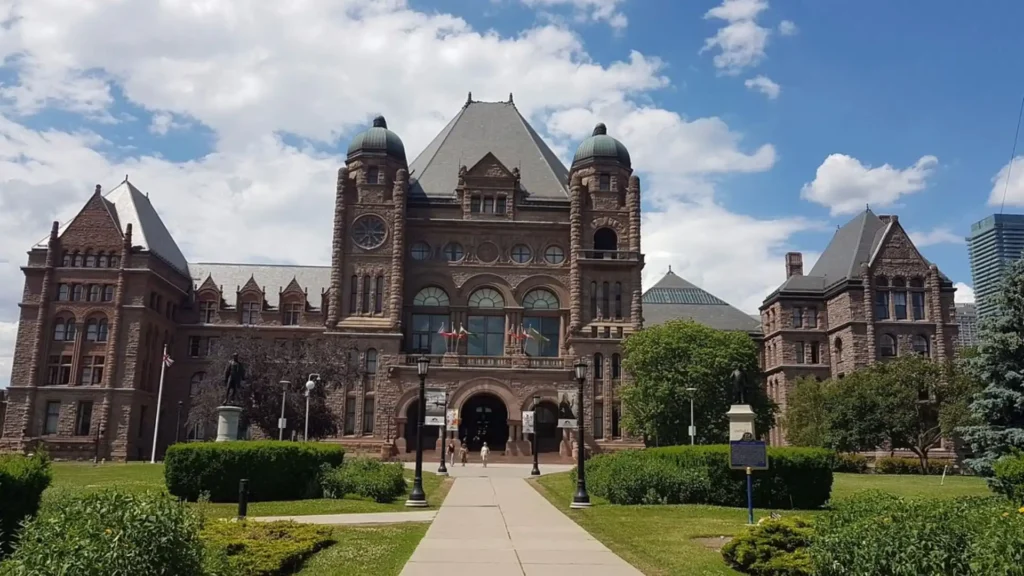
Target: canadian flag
167,360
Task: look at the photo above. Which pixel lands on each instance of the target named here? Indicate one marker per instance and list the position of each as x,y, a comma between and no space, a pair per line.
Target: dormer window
373,175
488,203
604,182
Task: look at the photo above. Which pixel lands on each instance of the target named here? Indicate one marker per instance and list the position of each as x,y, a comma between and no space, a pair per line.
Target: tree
268,363
667,359
806,418
998,409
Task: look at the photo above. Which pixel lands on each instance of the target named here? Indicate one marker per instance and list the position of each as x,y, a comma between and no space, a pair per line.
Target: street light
281,422
536,468
581,499
693,427
177,423
442,470
417,498
310,386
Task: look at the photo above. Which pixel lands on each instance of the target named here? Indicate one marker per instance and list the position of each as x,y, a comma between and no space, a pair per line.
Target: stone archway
483,418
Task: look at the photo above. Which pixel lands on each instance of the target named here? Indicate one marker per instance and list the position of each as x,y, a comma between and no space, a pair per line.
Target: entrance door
484,418
430,433
546,424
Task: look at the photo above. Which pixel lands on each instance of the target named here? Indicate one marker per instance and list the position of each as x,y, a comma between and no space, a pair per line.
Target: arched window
604,182
90,259
593,300
92,330
486,298
378,296
598,366
101,330
94,292
887,346
70,329
353,297
115,262
366,294
839,349
102,260
605,240
195,383
352,370
431,296
77,292
921,344
540,299
616,366
78,260
618,300
488,330
606,309
64,329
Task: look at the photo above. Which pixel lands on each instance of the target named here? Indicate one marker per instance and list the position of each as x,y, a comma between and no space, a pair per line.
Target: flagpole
159,399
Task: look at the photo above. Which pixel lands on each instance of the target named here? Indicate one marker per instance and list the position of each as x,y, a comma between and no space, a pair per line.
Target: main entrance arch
484,418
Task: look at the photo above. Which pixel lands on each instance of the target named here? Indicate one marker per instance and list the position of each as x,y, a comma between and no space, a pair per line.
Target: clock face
369,232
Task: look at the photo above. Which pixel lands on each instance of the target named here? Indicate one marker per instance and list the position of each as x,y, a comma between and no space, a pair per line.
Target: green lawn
660,540
377,550
75,477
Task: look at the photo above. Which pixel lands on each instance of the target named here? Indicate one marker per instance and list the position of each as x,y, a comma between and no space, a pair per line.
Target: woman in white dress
484,452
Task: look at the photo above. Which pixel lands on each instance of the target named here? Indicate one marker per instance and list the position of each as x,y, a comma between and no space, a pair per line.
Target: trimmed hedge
379,481
275,470
23,480
897,465
1009,480
262,548
772,547
850,463
797,478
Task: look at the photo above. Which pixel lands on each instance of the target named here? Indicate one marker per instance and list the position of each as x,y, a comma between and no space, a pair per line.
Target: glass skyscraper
994,241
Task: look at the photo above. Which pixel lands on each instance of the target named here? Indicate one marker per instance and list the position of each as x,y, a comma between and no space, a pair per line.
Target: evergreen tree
998,410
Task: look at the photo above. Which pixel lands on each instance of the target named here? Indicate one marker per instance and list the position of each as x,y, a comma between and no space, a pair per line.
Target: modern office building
993,242
967,321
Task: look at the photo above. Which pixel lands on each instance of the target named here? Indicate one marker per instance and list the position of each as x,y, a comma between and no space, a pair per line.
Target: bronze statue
739,386
233,377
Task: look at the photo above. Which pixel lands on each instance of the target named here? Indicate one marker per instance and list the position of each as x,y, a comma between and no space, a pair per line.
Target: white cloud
164,122
788,28
1012,172
941,235
964,293
764,85
250,70
742,41
846,185
593,10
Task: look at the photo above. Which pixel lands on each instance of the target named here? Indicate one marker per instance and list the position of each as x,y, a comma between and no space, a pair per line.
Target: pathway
494,523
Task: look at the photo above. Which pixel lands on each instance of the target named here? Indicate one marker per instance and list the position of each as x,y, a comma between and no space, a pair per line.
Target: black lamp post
536,468
442,470
581,499
417,498
177,423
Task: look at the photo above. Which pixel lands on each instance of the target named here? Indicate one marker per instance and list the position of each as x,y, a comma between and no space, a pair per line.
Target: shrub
22,483
850,463
877,533
797,477
366,477
262,548
110,533
275,470
653,481
1009,479
772,547
891,465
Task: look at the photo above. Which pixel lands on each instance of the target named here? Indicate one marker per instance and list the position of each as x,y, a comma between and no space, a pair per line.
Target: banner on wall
568,408
453,420
528,422
437,402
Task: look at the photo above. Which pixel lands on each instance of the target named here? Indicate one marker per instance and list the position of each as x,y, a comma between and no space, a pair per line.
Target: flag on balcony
537,335
463,332
167,360
444,334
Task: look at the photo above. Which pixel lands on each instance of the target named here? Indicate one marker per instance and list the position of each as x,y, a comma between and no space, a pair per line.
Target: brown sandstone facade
485,231
871,296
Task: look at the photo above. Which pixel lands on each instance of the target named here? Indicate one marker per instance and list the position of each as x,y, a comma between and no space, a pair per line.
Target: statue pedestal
741,421
227,423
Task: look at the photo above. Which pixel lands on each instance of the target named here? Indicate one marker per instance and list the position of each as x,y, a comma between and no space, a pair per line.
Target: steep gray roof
127,205
270,277
673,298
479,128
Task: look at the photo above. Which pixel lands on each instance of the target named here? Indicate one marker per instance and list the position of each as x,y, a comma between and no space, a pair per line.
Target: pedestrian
451,451
463,453
484,452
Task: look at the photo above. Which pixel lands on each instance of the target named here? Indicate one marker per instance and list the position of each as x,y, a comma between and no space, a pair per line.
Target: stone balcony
500,362
611,256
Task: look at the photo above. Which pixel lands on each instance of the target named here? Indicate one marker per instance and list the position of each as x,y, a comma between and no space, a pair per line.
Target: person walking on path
463,453
484,452
451,451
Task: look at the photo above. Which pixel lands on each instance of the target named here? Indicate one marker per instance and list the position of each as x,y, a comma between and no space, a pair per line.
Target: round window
554,255
453,252
521,253
420,251
369,232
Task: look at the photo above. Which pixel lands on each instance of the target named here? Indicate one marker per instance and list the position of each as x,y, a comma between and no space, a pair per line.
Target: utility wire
1013,154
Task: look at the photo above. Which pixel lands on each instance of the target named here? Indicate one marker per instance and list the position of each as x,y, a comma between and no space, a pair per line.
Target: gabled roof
127,205
274,278
673,298
479,128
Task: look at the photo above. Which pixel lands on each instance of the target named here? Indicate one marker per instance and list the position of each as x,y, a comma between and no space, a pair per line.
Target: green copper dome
601,146
378,139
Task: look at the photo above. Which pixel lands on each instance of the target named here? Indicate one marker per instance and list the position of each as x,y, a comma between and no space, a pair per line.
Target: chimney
794,264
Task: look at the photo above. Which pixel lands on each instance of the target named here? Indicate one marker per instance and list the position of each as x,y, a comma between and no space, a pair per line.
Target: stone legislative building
485,232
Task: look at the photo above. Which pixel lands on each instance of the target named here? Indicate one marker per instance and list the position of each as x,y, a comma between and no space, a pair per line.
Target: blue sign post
749,454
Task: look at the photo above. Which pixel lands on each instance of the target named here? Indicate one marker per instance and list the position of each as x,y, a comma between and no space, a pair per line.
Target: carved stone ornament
606,222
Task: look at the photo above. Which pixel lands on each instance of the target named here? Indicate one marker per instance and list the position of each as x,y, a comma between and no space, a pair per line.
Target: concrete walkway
494,523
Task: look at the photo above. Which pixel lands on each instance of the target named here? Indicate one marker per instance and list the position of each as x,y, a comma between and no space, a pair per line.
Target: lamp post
533,440
581,499
693,427
177,423
417,498
442,470
281,421
310,386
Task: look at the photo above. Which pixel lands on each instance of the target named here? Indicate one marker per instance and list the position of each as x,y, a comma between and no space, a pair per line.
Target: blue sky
757,127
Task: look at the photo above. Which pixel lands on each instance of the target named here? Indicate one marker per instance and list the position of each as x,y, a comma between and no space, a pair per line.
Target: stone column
337,250
575,252
40,339
398,250
633,203
869,316
935,282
